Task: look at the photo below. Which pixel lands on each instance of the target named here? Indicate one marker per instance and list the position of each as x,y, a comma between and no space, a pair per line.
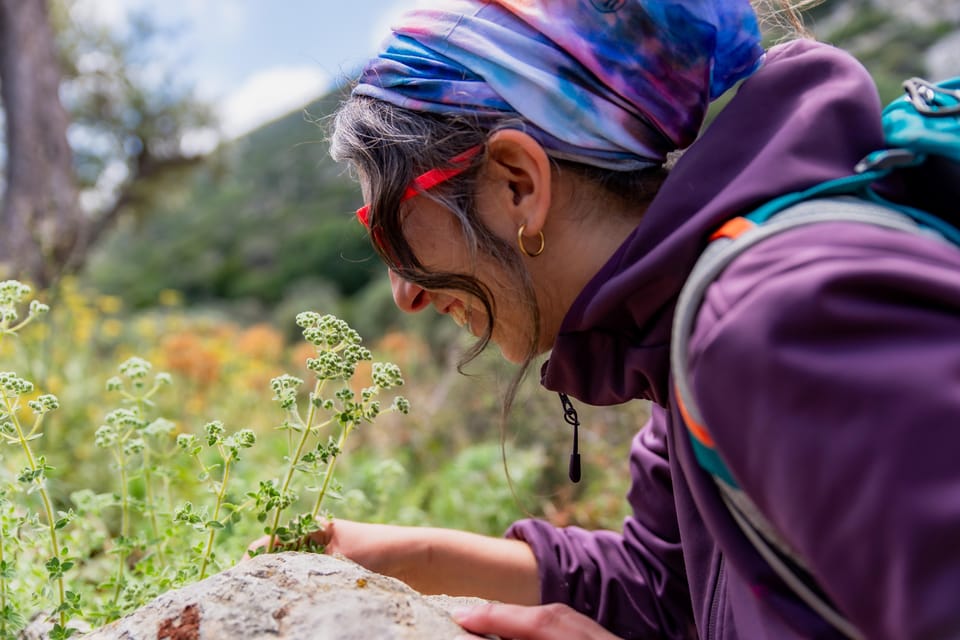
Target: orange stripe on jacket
733,228
698,430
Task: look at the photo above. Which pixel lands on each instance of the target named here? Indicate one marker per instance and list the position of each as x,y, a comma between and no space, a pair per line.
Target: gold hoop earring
523,249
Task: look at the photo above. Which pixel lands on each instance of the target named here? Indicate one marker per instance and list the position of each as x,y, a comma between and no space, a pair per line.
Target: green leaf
12,617
61,633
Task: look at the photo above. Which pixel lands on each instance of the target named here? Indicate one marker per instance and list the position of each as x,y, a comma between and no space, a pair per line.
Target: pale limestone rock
291,596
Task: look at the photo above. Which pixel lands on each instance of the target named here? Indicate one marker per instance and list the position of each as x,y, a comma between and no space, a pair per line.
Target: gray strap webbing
792,580
720,253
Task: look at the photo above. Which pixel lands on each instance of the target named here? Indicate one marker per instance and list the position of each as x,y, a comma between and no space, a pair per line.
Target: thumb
545,622
324,535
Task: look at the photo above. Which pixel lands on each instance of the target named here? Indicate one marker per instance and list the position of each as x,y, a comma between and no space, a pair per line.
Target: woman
512,155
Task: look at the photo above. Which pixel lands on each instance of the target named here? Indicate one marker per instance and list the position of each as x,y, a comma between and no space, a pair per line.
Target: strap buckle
932,100
887,159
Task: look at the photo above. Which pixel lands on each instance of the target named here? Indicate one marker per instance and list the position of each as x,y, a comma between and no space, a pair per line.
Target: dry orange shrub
188,355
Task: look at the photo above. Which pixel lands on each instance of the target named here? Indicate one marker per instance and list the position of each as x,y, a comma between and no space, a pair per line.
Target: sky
256,60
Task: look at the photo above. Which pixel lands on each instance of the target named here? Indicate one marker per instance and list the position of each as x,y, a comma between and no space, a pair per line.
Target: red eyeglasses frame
428,180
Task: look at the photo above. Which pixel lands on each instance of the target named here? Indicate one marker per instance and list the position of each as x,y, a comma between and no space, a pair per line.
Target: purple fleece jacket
826,363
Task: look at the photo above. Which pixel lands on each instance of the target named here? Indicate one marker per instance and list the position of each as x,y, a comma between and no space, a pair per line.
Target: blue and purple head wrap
612,83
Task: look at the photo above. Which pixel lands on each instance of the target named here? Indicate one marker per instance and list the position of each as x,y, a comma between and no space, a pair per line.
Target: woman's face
435,237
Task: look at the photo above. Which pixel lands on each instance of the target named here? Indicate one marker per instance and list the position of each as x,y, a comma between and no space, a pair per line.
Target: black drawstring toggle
570,415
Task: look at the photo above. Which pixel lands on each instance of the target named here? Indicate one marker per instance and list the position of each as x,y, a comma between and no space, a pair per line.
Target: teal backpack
922,131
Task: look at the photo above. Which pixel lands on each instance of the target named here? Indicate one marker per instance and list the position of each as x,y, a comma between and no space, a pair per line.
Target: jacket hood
809,114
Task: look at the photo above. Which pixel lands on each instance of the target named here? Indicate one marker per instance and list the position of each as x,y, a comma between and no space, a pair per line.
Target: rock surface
291,596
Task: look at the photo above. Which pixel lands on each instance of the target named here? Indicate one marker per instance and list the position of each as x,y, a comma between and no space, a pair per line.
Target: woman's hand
369,545
546,622
434,560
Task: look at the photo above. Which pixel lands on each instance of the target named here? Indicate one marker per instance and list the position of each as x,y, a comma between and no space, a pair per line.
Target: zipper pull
570,416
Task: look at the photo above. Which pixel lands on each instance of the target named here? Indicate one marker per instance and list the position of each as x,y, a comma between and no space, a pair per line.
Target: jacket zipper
715,601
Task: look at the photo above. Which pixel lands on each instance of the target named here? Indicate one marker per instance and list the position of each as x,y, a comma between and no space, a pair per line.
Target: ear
519,179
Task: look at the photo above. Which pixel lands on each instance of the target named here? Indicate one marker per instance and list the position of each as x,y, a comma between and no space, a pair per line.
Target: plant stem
328,475
45,498
216,514
56,551
148,478
3,591
17,327
291,468
35,428
124,496
124,520
151,502
147,475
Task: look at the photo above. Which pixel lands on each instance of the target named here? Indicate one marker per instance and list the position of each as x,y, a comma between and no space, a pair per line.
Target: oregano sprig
338,353
132,440
228,448
32,478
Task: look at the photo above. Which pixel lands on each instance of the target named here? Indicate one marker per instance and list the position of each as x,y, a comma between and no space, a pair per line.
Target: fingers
548,622
260,543
320,537
323,535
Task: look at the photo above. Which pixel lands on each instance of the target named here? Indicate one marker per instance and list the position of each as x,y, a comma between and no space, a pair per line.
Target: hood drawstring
570,415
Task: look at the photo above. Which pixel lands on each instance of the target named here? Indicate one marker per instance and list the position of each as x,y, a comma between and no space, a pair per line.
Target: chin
513,352
510,357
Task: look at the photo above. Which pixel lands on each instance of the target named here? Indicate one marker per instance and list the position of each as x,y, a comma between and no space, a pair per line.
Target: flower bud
38,308
135,368
106,436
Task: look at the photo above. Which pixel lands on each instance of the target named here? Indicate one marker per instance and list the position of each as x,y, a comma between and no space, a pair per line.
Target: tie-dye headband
613,83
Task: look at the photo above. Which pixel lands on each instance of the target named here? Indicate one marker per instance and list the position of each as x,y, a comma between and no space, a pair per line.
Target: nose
408,296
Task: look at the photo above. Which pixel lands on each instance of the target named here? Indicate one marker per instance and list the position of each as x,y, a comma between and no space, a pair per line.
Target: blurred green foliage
891,49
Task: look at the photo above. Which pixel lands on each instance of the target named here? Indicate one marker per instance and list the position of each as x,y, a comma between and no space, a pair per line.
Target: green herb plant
136,444
227,447
32,478
331,406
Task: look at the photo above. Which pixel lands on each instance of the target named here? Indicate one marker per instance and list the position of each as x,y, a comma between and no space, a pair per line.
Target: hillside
267,212
894,39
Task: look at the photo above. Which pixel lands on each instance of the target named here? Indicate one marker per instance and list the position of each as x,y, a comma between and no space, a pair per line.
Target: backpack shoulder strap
730,241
